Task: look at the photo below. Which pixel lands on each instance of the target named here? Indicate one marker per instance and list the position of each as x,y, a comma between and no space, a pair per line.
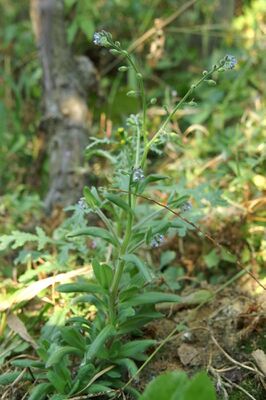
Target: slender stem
121,263
138,147
172,113
143,97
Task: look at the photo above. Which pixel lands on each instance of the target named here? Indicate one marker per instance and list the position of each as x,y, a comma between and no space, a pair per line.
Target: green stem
172,113
138,147
121,263
143,96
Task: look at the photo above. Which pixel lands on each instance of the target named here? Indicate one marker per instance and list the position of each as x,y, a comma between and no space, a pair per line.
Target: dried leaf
35,288
260,358
18,327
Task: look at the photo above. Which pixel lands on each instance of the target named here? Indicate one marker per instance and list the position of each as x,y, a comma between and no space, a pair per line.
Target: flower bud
115,52
123,68
211,82
132,93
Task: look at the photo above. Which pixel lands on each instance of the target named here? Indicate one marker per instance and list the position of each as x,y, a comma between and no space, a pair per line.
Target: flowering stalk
228,62
105,39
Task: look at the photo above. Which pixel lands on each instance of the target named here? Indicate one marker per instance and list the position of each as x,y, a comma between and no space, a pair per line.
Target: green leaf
178,202
17,238
119,202
57,356
26,363
129,365
40,391
138,321
143,269
103,273
153,298
43,239
149,179
227,256
52,326
169,386
90,198
100,153
73,337
167,257
87,26
86,372
98,388
212,259
200,388
107,332
10,377
58,397
94,231
58,382
79,287
148,236
134,348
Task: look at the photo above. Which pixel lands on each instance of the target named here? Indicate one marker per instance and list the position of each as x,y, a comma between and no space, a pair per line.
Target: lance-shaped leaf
73,337
107,332
178,202
57,356
143,269
149,179
79,287
90,198
119,202
129,365
135,348
40,391
153,298
103,273
94,231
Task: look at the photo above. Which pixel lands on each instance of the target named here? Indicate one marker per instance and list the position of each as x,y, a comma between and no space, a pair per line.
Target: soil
220,338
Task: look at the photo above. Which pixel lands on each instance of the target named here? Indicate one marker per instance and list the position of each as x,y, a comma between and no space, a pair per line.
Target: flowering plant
104,351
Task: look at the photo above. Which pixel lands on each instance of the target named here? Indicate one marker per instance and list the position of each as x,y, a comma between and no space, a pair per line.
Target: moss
251,386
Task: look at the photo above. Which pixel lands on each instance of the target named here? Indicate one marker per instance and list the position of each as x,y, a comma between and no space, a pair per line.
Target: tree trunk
65,117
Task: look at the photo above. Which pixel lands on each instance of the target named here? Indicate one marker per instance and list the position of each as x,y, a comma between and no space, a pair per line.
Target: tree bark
65,111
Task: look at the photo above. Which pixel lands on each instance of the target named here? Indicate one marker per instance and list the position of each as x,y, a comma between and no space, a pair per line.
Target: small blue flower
138,175
229,62
82,204
102,38
187,206
97,38
157,241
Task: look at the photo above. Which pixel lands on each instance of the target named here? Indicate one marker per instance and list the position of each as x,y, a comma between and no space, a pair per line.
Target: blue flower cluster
229,62
82,204
157,241
102,38
138,175
187,206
